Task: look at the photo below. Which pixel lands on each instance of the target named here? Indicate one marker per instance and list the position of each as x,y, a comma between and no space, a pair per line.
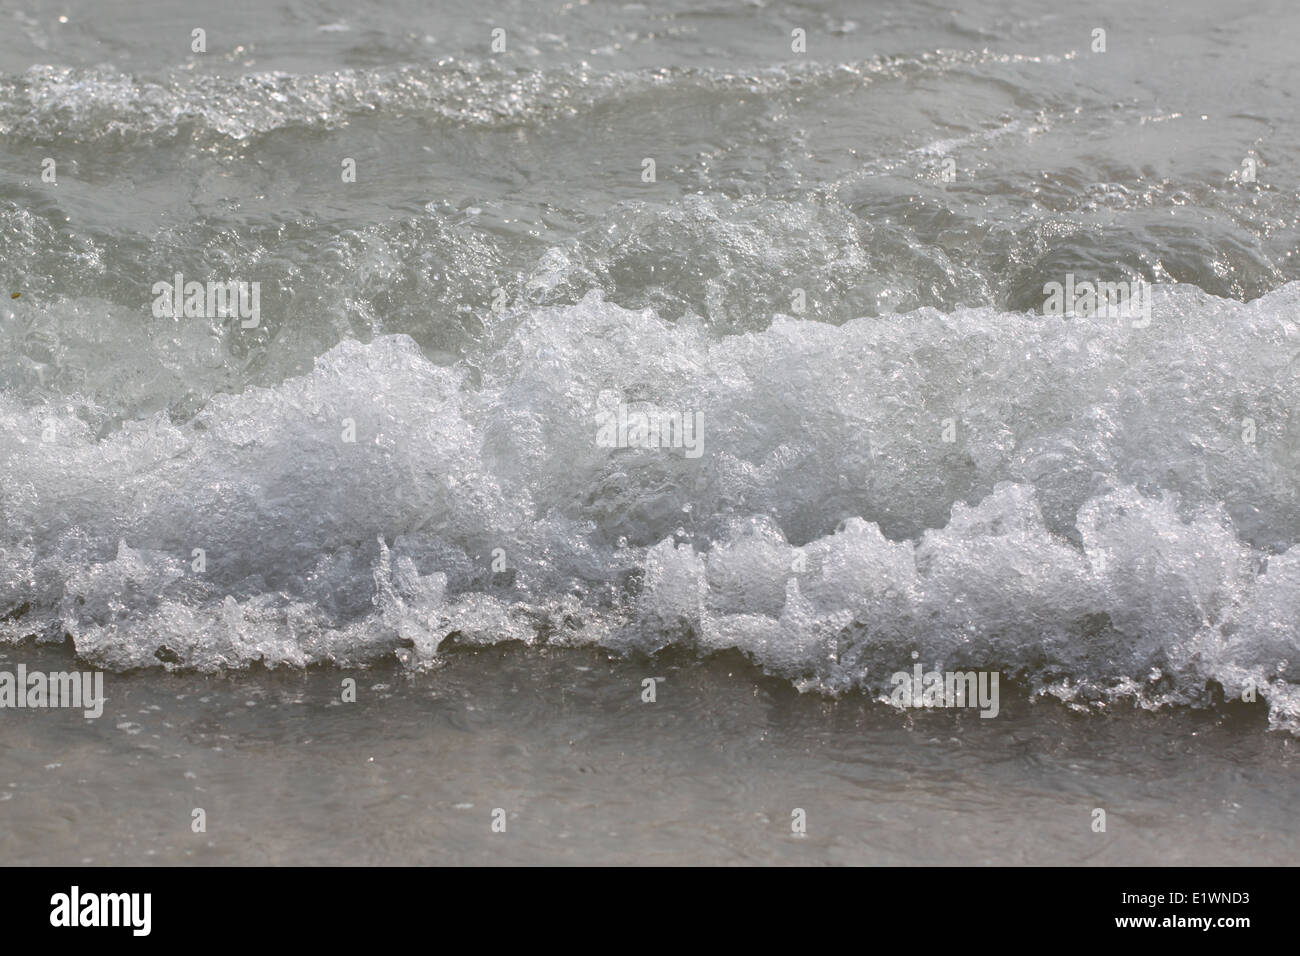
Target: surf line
946,689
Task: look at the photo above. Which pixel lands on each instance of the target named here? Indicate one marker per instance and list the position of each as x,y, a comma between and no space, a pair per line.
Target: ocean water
815,235
586,773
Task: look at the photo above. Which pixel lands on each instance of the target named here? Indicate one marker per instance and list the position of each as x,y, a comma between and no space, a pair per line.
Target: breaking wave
1105,511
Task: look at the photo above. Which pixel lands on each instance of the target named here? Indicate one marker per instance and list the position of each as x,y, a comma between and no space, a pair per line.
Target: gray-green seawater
839,267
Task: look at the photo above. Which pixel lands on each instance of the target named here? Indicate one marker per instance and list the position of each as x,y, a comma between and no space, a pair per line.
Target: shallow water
836,276
587,772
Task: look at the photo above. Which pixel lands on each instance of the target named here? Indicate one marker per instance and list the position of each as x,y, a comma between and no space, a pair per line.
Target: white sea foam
1098,525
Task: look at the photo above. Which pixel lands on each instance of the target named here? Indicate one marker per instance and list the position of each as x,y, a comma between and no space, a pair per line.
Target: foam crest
1097,525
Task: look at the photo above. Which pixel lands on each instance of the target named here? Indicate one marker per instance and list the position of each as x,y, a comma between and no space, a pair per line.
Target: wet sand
586,772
